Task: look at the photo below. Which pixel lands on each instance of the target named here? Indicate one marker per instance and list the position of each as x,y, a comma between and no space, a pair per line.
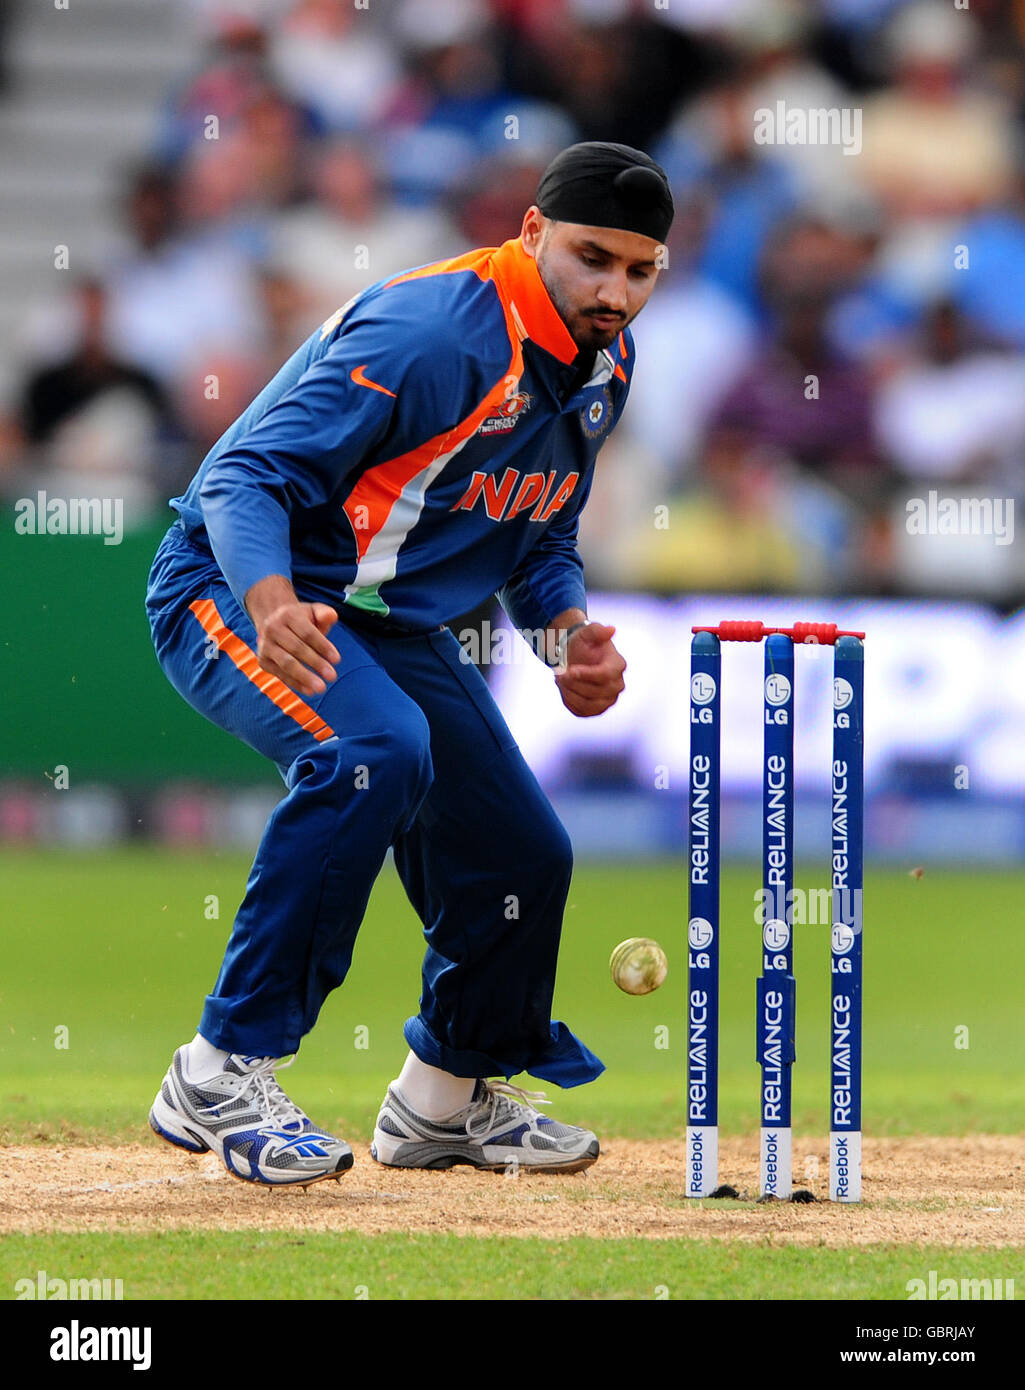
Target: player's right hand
293,643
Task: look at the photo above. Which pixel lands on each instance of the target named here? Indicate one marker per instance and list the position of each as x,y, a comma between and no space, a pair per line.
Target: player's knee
392,762
549,847
402,749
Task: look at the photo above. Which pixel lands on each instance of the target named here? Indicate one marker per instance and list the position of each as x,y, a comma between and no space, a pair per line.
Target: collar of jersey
522,289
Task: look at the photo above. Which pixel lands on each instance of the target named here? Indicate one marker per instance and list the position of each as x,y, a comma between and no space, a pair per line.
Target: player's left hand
592,679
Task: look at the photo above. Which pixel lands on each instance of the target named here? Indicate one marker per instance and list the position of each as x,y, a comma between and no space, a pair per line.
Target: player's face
598,278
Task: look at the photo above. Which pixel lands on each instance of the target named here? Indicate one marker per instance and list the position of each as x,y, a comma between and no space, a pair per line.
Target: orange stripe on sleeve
287,701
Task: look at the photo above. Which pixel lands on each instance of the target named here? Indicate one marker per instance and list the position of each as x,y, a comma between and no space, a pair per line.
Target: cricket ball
638,965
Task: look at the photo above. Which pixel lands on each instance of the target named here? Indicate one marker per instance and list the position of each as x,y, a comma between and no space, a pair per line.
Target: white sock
203,1060
432,1093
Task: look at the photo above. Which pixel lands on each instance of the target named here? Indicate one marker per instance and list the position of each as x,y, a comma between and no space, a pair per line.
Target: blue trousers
407,749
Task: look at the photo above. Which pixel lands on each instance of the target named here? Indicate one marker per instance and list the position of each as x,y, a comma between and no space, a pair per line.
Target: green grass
118,949
276,1264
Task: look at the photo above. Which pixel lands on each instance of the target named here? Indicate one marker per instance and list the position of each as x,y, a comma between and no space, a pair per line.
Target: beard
580,323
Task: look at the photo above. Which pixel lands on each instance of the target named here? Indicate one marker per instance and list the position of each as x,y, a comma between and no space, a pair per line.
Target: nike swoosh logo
361,380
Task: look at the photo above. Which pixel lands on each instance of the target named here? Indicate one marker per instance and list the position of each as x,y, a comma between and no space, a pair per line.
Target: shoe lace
505,1100
260,1087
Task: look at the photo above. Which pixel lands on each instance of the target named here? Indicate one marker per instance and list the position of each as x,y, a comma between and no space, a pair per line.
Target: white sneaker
494,1131
245,1117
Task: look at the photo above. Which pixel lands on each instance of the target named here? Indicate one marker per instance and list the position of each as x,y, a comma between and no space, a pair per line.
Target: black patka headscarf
601,184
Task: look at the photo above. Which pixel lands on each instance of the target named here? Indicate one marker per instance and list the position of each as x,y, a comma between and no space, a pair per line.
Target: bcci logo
596,417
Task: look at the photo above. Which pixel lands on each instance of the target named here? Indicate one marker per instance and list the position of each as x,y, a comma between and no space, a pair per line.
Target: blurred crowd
839,330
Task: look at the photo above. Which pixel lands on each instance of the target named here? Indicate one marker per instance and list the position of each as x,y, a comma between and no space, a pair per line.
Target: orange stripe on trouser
245,659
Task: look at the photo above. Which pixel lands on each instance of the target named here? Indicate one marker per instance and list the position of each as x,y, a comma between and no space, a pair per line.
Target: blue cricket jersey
419,452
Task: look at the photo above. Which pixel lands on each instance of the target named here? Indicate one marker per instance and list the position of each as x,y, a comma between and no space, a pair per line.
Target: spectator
221,201
174,297
953,420
778,66
990,289
711,149
790,483
485,207
350,233
616,67
331,57
56,393
453,90
234,71
935,145
939,158
288,314
693,341
212,397
955,412
96,420
800,395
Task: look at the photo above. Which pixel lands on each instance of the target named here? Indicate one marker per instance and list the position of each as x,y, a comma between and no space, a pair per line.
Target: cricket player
432,444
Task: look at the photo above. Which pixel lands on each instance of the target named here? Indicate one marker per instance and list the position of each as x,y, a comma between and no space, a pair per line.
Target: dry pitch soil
934,1191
